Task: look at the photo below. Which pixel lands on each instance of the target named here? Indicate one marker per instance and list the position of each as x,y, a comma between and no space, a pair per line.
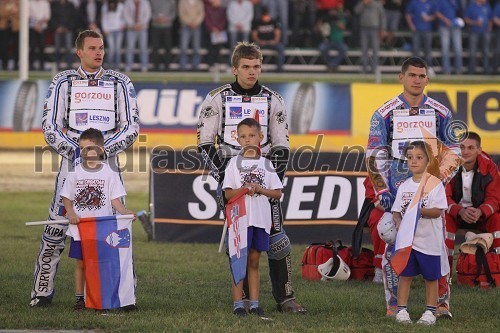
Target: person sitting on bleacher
266,33
473,195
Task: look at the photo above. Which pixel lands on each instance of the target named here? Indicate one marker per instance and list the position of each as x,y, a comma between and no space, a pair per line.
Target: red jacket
485,188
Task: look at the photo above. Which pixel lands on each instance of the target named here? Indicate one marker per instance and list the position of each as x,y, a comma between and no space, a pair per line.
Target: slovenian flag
237,224
107,259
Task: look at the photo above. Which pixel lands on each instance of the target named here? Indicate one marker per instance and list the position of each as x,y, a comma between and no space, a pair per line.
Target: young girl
428,238
251,171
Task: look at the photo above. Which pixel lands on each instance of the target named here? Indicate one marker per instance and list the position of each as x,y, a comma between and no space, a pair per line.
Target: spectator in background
419,15
478,17
333,26
89,15
372,22
9,32
392,10
266,33
39,16
239,16
191,15
112,27
278,10
450,27
496,27
62,22
137,14
216,25
164,14
303,14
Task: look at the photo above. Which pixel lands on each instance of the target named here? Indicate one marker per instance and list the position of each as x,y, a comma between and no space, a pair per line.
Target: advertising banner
322,197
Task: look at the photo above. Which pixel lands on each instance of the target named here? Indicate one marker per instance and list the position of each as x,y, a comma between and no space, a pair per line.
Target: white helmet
387,228
334,269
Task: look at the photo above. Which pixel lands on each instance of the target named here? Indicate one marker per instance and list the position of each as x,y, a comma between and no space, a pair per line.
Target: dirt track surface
24,171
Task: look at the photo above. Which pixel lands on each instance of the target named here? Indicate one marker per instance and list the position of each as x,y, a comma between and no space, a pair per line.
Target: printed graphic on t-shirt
252,174
406,199
89,194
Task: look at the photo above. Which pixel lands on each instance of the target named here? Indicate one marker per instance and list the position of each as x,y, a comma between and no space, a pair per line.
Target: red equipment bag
318,253
481,270
361,267
315,254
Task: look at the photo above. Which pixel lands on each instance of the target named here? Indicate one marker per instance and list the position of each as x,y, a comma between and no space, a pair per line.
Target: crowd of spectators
136,30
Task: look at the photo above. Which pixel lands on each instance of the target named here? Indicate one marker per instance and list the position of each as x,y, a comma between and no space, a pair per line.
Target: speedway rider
221,111
77,100
408,117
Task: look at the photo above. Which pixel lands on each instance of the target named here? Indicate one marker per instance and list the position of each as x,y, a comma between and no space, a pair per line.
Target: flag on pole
237,224
107,259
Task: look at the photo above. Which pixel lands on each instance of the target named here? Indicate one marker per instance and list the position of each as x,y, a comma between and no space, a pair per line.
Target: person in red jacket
473,196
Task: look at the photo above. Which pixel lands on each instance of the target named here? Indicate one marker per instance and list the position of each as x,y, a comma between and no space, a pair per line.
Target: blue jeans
187,35
474,38
325,48
280,54
114,41
132,37
455,34
496,54
64,39
426,38
370,35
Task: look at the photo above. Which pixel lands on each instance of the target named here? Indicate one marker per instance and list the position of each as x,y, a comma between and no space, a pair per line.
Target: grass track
185,288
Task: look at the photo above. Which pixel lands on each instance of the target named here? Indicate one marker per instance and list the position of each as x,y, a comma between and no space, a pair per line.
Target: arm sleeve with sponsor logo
208,128
449,154
128,119
280,142
54,117
377,154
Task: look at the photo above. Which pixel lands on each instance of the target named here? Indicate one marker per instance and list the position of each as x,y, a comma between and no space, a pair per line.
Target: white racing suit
393,126
221,111
76,101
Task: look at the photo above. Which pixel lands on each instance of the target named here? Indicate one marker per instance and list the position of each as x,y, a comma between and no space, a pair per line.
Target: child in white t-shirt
428,238
249,170
92,189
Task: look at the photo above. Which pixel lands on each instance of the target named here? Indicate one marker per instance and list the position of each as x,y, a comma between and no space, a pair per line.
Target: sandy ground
30,171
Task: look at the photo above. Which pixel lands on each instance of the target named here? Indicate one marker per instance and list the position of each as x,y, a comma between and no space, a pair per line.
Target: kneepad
279,246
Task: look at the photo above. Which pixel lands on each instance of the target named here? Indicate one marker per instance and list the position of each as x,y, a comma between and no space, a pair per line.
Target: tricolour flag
107,259
406,232
237,225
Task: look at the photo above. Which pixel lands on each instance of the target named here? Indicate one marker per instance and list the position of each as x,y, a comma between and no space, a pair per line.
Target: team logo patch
81,118
280,117
49,93
119,239
374,123
208,112
235,112
51,138
93,83
247,98
413,111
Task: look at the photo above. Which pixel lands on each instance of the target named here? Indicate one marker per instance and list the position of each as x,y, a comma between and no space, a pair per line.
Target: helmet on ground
387,228
334,269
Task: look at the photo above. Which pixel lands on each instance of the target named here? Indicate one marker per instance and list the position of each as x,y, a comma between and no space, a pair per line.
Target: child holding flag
251,172
417,212
93,189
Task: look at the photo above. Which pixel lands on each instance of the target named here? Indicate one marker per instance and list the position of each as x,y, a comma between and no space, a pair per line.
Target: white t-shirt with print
241,171
429,236
92,190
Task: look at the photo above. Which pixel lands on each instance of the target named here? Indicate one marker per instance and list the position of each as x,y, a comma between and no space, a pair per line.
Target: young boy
428,239
91,190
249,170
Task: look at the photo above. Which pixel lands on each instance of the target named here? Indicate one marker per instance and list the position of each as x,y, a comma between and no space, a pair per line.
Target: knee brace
279,246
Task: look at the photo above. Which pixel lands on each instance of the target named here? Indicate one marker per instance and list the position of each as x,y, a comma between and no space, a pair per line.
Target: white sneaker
427,319
403,317
378,278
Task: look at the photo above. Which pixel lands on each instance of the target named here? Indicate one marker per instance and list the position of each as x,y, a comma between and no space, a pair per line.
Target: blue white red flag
237,225
406,232
107,259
